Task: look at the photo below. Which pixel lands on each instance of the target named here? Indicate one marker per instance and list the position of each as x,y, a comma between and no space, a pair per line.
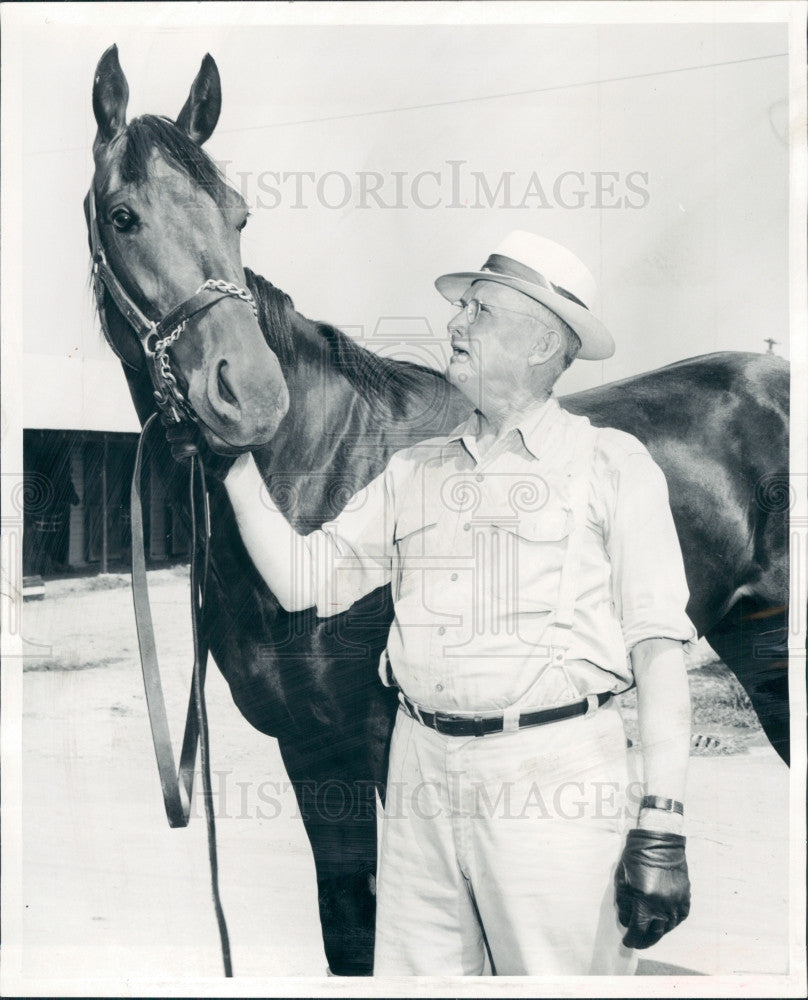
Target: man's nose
458,325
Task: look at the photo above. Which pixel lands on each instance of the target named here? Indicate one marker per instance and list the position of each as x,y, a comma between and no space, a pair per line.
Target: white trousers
507,844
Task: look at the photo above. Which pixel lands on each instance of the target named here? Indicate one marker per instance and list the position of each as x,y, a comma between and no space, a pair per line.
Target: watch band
666,805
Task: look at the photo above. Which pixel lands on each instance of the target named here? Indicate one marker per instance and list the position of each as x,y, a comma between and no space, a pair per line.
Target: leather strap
103,275
177,785
480,725
137,319
199,302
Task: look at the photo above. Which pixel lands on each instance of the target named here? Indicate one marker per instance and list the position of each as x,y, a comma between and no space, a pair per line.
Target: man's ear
544,348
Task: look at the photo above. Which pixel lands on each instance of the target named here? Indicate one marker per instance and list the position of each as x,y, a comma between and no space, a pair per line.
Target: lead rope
200,665
177,786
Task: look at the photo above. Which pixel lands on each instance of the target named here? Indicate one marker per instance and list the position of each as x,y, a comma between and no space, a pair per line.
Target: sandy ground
110,890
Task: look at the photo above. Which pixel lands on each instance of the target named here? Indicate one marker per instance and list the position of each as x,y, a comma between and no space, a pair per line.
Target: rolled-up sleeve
351,555
649,588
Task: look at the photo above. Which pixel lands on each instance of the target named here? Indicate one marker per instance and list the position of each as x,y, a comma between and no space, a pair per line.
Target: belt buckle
459,725
477,726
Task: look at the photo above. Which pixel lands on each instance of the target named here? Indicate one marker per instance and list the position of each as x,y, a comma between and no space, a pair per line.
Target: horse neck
326,412
341,429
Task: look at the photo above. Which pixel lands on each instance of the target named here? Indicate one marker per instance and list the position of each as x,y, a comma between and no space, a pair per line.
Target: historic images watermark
335,801
454,184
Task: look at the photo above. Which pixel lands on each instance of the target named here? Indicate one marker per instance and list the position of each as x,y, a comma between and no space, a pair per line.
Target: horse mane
274,316
390,381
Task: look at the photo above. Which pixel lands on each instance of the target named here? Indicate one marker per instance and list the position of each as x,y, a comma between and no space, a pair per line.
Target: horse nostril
225,391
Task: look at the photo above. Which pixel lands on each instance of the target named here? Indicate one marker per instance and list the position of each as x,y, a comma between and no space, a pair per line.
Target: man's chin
460,379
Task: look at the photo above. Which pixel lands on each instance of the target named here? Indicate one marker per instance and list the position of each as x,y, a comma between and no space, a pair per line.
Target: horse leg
337,800
752,640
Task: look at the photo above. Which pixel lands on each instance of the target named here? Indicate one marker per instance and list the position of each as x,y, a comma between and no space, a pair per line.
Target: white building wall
76,393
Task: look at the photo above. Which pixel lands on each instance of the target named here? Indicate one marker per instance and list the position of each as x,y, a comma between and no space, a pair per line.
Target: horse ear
110,96
201,111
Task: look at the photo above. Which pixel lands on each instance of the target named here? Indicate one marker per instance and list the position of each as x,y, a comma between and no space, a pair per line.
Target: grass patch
719,700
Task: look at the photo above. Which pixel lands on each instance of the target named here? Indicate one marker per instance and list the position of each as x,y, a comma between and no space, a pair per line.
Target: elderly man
536,572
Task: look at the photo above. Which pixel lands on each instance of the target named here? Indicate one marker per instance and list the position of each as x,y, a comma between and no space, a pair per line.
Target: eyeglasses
473,308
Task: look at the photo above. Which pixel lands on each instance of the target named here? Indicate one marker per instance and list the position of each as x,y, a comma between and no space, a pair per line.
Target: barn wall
66,514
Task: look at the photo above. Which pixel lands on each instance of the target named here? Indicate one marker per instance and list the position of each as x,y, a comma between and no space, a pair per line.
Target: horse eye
123,219
243,223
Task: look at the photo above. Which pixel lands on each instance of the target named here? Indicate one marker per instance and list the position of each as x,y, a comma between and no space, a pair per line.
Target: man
535,572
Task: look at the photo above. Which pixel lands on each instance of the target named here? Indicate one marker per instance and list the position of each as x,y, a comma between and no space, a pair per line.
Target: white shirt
473,546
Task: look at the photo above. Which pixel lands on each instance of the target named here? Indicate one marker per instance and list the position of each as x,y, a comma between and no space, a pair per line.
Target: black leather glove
185,441
652,889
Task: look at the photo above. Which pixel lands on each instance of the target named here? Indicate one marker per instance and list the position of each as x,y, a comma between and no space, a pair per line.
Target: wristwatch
665,805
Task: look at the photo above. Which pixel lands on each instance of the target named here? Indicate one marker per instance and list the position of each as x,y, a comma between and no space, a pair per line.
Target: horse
322,415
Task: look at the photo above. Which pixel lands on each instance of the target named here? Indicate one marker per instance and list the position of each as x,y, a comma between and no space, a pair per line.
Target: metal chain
169,339
213,285
165,368
220,285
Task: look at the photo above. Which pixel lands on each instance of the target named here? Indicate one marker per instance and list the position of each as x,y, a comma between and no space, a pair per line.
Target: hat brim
597,343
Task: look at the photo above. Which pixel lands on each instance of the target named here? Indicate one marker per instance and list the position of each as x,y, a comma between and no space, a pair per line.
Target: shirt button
441,630
438,687
479,478
453,576
466,526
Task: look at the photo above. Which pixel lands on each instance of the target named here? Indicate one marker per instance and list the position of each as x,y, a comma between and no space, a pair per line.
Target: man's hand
185,440
652,889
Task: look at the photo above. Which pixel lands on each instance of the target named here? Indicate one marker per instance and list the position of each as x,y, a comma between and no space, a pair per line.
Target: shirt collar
532,425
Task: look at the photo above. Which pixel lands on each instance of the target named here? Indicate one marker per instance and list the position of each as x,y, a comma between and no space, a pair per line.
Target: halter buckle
169,407
148,349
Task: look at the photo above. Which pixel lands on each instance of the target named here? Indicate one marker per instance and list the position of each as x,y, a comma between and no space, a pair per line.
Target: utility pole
771,343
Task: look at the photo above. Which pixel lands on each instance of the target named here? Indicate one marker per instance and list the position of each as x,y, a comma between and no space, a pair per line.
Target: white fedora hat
548,273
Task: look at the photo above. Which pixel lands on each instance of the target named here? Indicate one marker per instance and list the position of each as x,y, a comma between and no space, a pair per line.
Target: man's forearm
663,711
280,554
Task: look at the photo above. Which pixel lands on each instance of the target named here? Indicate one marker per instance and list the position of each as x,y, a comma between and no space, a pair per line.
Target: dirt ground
110,891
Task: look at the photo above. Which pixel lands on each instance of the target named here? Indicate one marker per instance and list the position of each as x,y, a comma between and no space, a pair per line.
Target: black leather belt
478,725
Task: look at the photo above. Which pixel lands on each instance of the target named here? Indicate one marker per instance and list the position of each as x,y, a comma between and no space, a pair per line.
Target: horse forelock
131,156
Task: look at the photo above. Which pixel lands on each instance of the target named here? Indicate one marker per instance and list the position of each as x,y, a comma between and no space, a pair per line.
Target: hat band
514,269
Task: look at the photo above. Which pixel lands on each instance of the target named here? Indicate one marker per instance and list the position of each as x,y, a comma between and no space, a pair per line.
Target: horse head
165,232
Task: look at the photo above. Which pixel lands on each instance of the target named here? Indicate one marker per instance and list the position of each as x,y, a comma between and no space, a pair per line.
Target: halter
156,337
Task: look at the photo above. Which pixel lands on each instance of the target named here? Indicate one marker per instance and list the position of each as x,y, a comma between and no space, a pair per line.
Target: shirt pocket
527,559
416,541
